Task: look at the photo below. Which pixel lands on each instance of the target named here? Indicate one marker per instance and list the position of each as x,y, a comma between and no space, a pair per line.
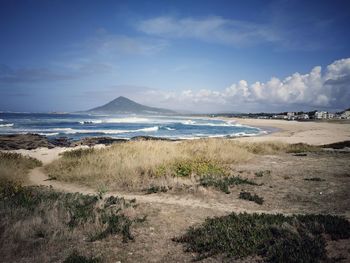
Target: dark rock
150,138
337,145
91,141
61,142
24,141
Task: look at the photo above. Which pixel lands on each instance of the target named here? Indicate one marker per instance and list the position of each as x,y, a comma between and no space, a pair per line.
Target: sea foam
6,125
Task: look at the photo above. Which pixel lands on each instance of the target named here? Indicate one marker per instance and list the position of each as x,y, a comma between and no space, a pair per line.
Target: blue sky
201,56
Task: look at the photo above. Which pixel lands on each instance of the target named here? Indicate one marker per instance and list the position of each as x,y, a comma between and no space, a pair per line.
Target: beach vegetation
314,179
262,173
39,217
250,197
156,189
274,237
138,164
14,167
224,183
76,257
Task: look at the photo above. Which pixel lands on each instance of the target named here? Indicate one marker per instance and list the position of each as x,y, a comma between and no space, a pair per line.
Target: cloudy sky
200,56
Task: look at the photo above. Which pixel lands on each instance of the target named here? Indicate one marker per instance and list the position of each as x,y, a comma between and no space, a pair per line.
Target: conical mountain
122,105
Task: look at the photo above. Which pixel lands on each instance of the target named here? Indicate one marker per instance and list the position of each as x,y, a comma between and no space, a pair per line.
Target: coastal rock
61,142
150,138
91,141
27,141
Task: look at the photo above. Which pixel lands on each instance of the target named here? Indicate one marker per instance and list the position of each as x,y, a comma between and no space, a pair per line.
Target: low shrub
254,198
76,210
276,238
224,183
262,173
315,179
157,189
75,257
189,167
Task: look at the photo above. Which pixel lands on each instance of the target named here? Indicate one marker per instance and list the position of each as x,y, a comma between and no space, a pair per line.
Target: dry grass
14,167
136,165
38,224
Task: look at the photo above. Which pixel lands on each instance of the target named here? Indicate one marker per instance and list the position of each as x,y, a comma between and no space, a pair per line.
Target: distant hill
122,105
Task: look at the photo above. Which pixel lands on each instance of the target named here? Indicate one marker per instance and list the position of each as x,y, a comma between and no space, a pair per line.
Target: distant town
300,116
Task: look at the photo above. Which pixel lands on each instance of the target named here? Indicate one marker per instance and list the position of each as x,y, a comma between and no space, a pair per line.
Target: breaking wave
56,131
117,120
6,125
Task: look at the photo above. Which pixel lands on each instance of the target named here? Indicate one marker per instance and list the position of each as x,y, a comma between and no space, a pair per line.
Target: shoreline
314,133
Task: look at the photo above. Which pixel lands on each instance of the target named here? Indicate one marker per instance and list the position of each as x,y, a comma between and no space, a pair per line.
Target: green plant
254,198
223,183
277,238
188,167
78,209
156,189
101,190
262,173
315,179
75,257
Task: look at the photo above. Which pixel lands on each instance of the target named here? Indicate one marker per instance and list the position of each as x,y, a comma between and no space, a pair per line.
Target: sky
190,56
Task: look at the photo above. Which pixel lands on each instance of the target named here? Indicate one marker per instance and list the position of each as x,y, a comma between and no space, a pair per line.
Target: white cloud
317,89
210,29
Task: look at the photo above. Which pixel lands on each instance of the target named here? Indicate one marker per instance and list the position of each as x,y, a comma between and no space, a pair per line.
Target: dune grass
40,223
136,165
14,167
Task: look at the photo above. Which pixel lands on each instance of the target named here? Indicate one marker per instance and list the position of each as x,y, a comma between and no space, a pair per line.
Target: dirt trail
38,177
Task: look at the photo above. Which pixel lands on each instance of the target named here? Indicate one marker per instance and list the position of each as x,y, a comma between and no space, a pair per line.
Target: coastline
310,132
314,133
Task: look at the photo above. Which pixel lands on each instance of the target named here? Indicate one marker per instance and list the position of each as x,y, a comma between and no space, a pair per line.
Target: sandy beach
315,133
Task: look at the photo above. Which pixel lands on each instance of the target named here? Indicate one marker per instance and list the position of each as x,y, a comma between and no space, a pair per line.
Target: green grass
195,166
254,198
276,238
224,183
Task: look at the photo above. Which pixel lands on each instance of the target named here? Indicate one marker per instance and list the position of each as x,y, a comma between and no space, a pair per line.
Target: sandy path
38,177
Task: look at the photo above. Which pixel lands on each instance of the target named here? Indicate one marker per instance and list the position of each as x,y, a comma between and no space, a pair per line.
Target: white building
321,115
345,115
291,115
330,115
303,116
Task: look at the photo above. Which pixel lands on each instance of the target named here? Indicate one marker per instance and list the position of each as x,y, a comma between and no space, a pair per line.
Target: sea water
77,126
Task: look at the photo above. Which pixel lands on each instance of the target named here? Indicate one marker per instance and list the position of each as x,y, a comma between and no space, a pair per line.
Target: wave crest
6,125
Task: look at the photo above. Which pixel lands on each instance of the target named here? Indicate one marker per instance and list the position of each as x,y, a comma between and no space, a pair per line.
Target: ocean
78,126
